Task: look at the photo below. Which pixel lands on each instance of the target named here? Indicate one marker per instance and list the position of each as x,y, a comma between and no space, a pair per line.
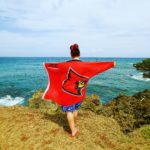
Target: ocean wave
10,101
139,77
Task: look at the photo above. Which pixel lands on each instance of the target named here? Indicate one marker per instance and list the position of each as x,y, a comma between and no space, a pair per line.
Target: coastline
43,125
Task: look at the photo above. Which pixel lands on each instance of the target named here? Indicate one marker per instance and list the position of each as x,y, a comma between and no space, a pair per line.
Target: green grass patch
146,132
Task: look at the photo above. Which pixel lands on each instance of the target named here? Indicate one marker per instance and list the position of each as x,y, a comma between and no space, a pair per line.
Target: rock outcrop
144,66
130,112
45,106
42,125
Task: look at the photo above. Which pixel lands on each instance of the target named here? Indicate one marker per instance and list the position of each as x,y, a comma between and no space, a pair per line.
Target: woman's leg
70,118
75,114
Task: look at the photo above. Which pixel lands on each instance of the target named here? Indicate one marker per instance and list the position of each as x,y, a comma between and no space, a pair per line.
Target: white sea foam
10,101
139,77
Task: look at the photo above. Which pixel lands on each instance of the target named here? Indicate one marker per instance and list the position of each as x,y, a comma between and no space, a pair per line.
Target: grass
29,128
146,132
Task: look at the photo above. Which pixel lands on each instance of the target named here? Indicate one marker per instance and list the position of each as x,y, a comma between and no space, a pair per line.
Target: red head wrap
74,46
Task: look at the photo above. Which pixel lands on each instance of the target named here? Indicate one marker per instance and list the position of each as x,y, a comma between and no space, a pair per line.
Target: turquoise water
20,77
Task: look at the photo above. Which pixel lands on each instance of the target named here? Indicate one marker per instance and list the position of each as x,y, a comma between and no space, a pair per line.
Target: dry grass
23,128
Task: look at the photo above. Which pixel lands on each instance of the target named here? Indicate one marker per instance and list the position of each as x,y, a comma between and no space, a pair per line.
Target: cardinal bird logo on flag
67,81
74,83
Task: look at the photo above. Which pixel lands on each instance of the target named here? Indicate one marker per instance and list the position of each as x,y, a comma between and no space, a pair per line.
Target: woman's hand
114,63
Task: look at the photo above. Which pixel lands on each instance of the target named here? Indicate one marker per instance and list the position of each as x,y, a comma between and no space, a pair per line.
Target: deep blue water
20,77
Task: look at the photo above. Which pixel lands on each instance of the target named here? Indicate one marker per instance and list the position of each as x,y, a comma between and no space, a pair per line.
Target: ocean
20,77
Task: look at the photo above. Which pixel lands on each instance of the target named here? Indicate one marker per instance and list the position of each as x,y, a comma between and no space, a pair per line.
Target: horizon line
67,57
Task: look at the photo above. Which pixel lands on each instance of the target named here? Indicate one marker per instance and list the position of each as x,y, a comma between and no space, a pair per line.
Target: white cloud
99,26
91,14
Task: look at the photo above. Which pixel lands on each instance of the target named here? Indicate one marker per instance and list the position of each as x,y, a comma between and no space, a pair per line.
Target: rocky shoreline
144,66
130,112
122,124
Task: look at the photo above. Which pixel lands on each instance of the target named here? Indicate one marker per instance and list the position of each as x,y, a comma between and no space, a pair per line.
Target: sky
102,28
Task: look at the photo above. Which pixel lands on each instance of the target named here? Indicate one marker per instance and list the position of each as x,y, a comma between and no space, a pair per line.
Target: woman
72,111
69,81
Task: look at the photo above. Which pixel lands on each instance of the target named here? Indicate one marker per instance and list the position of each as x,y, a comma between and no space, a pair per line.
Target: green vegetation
42,125
144,66
146,132
130,112
47,107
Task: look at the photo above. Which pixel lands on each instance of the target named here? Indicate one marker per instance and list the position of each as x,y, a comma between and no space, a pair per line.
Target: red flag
68,80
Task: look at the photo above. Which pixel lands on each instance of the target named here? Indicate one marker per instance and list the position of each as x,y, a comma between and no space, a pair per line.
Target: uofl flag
68,80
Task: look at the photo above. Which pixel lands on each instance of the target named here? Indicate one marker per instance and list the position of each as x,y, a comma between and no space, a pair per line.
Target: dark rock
130,111
91,103
144,66
146,75
45,106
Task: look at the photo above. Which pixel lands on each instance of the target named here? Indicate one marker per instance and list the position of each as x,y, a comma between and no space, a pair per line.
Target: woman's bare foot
75,132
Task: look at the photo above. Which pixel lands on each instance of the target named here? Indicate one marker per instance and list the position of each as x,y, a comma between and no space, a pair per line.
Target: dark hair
75,52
